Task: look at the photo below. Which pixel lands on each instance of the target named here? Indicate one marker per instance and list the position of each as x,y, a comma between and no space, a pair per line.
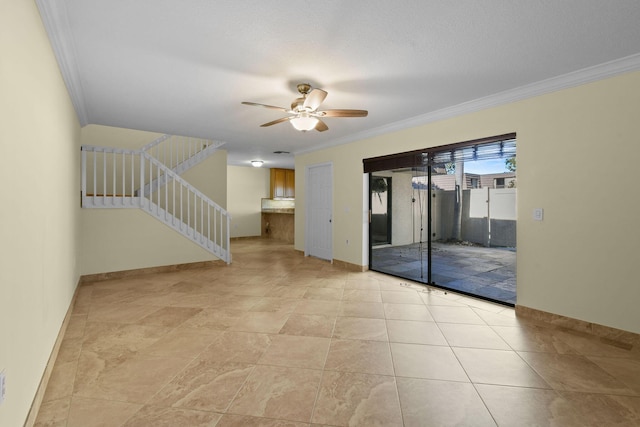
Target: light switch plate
538,214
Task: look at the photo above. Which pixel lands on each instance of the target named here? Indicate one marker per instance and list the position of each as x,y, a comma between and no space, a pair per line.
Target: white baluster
84,174
95,179
104,180
124,177
167,209
201,219
133,184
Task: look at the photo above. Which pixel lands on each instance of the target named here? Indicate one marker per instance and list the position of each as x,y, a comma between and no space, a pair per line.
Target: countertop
288,211
278,206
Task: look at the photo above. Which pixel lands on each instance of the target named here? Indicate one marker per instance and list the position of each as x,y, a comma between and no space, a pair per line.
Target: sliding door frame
425,158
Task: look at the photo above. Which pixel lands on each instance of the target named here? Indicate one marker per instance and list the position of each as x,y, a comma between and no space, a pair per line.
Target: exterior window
499,183
475,183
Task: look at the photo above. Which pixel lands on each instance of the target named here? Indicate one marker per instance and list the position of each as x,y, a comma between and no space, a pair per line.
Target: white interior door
319,227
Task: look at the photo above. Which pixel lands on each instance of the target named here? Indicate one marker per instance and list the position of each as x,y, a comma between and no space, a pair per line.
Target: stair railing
118,173
186,209
174,150
114,179
178,153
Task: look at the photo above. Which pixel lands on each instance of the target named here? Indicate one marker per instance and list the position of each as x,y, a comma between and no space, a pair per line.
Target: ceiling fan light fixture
256,163
305,114
304,122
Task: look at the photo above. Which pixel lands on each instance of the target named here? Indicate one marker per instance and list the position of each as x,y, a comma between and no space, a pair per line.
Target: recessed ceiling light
256,163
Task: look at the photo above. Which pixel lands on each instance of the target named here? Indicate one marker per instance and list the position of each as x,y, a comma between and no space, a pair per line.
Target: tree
450,168
378,186
510,164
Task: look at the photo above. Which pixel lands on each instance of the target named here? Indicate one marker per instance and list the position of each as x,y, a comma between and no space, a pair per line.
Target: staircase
150,179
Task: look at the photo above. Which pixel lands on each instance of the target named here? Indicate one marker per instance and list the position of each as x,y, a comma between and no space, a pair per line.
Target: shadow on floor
485,272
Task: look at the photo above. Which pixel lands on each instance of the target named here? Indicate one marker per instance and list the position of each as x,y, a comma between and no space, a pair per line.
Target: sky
485,166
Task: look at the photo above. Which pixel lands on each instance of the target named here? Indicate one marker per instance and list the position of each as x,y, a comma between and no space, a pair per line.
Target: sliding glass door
454,218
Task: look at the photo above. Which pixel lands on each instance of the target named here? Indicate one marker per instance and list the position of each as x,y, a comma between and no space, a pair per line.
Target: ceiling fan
304,111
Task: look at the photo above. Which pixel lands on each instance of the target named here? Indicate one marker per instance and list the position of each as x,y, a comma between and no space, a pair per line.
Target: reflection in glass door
380,200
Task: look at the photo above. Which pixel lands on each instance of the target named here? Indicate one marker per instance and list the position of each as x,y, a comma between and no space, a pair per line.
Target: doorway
319,220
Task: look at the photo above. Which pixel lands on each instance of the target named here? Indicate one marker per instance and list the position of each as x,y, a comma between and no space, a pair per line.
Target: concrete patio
484,272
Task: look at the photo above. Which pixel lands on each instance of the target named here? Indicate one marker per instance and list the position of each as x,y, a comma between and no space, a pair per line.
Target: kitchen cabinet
283,183
289,184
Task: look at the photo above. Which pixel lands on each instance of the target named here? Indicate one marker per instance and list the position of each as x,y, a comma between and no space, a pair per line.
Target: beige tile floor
277,339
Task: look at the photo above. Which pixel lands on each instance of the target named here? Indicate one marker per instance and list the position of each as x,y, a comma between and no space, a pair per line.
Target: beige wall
580,261
149,243
39,231
246,186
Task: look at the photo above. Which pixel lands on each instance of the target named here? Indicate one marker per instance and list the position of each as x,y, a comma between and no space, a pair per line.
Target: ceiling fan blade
273,107
344,113
314,99
275,122
321,126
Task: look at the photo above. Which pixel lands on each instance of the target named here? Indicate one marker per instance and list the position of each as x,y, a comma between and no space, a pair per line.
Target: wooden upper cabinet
289,183
283,183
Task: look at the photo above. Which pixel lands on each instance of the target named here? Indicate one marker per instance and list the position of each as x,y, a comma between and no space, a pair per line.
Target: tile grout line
393,367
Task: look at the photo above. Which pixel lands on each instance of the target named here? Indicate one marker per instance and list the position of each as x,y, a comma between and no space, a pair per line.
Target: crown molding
55,19
576,78
56,22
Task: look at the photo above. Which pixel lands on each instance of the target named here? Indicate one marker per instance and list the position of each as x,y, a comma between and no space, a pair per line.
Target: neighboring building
497,180
472,180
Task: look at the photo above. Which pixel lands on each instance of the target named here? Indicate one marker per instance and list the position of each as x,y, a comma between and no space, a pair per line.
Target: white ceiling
183,66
